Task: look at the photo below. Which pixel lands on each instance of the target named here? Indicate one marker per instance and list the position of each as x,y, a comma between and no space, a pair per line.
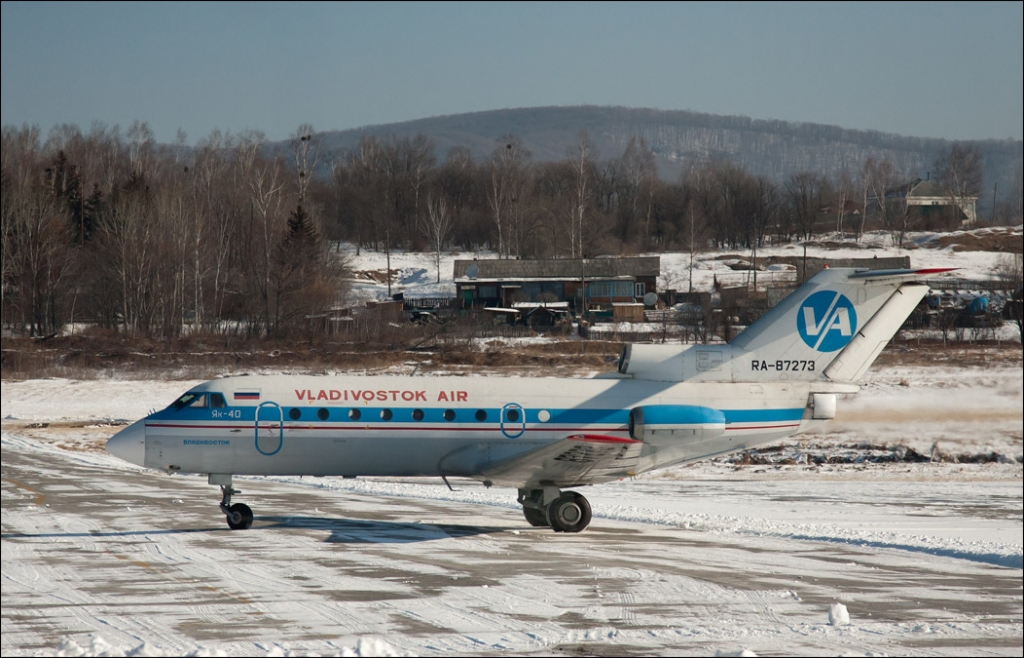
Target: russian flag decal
247,395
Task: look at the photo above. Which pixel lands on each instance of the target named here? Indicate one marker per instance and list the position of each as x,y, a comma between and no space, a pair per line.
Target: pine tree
300,228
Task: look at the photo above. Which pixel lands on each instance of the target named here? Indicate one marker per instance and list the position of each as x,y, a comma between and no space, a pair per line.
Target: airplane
665,405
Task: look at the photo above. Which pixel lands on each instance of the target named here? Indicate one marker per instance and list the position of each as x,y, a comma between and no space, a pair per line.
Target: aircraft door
269,428
513,420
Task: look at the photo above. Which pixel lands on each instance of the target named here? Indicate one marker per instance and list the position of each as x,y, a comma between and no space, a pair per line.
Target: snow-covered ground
924,558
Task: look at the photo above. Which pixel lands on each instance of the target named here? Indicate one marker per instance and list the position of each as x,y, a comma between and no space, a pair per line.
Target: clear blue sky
949,70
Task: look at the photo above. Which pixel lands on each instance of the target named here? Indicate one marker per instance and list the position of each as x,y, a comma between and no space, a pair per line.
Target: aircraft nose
130,443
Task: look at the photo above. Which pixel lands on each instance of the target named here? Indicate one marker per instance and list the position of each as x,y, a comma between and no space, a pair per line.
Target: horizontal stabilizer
900,273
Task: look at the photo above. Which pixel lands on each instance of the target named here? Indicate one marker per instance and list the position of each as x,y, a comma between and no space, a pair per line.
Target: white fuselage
669,404
430,426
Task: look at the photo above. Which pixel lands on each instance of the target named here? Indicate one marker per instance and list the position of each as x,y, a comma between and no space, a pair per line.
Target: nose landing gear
239,515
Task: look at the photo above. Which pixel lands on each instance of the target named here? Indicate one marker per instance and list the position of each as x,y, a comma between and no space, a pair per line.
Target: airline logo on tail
826,321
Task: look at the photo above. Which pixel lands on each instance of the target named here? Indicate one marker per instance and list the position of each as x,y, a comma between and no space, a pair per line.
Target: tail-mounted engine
655,362
677,363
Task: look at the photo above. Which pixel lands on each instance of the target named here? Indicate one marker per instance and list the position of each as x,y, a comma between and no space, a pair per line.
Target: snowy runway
927,558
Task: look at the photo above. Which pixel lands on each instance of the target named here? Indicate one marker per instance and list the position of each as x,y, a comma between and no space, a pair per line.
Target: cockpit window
217,401
193,400
184,401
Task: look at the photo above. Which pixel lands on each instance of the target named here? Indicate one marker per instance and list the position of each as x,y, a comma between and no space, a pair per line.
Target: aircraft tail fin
832,327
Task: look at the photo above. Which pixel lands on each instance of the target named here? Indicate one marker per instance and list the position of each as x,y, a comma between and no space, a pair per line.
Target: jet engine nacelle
677,363
655,362
675,422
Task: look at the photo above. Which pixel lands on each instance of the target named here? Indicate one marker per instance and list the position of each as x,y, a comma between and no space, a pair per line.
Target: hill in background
775,149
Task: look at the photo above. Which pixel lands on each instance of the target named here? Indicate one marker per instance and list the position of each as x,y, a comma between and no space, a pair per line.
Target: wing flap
575,460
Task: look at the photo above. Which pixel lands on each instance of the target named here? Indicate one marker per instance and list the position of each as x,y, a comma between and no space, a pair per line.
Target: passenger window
385,414
294,413
217,401
417,414
512,415
354,414
449,415
481,415
322,414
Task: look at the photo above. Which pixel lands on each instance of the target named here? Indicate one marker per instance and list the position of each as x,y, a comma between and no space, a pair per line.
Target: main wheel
570,512
239,516
538,518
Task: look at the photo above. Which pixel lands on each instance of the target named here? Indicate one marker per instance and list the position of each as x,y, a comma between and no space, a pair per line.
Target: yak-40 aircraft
666,405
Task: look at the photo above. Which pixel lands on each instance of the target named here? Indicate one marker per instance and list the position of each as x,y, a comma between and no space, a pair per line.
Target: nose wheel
239,515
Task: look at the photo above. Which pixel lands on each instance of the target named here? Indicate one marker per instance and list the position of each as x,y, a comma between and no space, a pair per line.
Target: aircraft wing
575,460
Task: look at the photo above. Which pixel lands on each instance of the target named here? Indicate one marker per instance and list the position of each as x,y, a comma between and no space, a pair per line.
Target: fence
411,303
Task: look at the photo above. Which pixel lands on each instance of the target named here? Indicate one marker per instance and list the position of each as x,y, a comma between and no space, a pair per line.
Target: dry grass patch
91,357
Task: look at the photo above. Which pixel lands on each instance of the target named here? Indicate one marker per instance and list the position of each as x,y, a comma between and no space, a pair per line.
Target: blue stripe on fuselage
434,415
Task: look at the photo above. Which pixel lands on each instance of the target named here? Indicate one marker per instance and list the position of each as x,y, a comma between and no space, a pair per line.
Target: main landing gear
239,515
565,511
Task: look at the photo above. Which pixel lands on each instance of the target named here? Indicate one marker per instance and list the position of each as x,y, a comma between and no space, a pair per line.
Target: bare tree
892,202
878,179
437,226
140,147
306,147
457,179
419,163
637,188
959,171
695,224
505,197
265,188
129,240
164,231
730,201
8,251
216,218
580,158
806,191
1018,192
37,256
362,179
390,171
844,191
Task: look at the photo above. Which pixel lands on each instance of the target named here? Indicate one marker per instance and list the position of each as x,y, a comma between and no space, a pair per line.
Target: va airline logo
826,321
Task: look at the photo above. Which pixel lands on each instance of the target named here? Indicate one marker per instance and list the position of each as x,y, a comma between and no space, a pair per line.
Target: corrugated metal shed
565,268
